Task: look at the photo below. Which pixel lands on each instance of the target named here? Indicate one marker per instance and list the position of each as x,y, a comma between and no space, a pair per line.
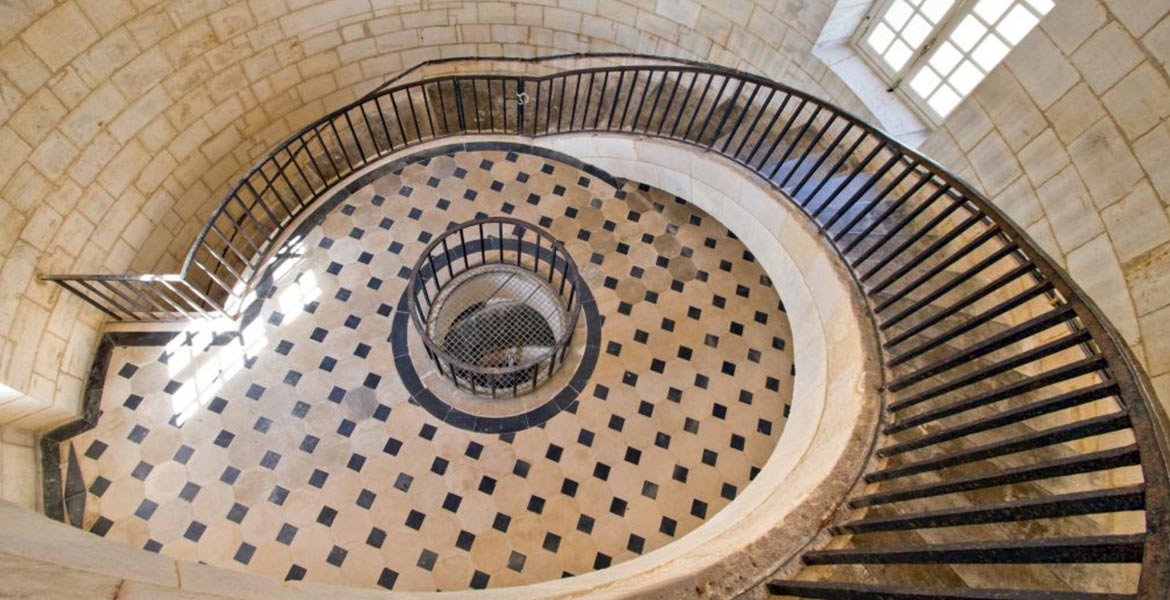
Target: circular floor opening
496,302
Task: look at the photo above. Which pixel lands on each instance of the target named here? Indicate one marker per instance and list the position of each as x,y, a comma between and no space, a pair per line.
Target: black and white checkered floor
294,450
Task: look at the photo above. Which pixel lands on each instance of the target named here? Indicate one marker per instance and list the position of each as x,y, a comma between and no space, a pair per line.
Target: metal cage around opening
496,302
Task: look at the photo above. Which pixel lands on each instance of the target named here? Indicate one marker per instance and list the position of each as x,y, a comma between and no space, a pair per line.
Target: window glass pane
916,31
879,39
968,33
935,10
898,54
925,82
898,14
991,10
1017,24
945,58
980,33
966,77
943,101
990,52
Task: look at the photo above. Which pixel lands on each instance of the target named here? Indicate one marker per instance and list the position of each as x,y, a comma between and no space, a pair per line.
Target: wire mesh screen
496,302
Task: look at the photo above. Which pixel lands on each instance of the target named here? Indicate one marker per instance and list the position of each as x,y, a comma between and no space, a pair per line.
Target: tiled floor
295,452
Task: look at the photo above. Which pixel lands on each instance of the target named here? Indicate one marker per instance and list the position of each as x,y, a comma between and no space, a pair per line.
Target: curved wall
123,122
1070,137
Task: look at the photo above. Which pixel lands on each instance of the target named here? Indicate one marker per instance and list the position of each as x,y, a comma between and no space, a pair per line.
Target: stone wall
123,122
1070,138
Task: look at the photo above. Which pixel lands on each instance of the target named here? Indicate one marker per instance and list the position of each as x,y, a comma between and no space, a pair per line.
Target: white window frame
899,81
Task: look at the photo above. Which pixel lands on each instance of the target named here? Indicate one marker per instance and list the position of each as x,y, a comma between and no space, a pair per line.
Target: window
934,52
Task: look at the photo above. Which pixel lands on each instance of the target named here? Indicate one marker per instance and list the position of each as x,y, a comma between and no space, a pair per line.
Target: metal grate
498,317
496,303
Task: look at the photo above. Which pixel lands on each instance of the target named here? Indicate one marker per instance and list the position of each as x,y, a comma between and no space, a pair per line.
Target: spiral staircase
1017,456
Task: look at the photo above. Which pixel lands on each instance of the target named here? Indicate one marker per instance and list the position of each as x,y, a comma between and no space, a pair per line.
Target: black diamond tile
286,534
516,561
146,509
336,556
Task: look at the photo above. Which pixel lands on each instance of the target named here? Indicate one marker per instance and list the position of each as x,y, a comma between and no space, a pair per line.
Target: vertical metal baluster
890,209
764,135
726,113
783,132
217,306
328,154
756,120
482,245
459,106
231,245
308,152
600,101
629,97
889,235
653,106
434,279
552,265
369,128
337,136
260,200
922,230
491,105
673,91
261,203
475,105
422,89
463,248
792,145
248,213
385,127
292,159
706,88
270,184
443,108
132,304
808,150
833,145
413,113
174,304
110,302
504,103
214,279
576,95
858,169
284,175
881,198
837,165
140,292
65,284
860,193
548,103
739,120
398,119
447,257
357,141
520,107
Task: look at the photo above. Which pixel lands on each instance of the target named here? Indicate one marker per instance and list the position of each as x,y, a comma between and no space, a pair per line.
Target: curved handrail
899,220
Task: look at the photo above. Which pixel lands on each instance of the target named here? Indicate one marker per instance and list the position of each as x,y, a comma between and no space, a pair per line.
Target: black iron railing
994,356
495,357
